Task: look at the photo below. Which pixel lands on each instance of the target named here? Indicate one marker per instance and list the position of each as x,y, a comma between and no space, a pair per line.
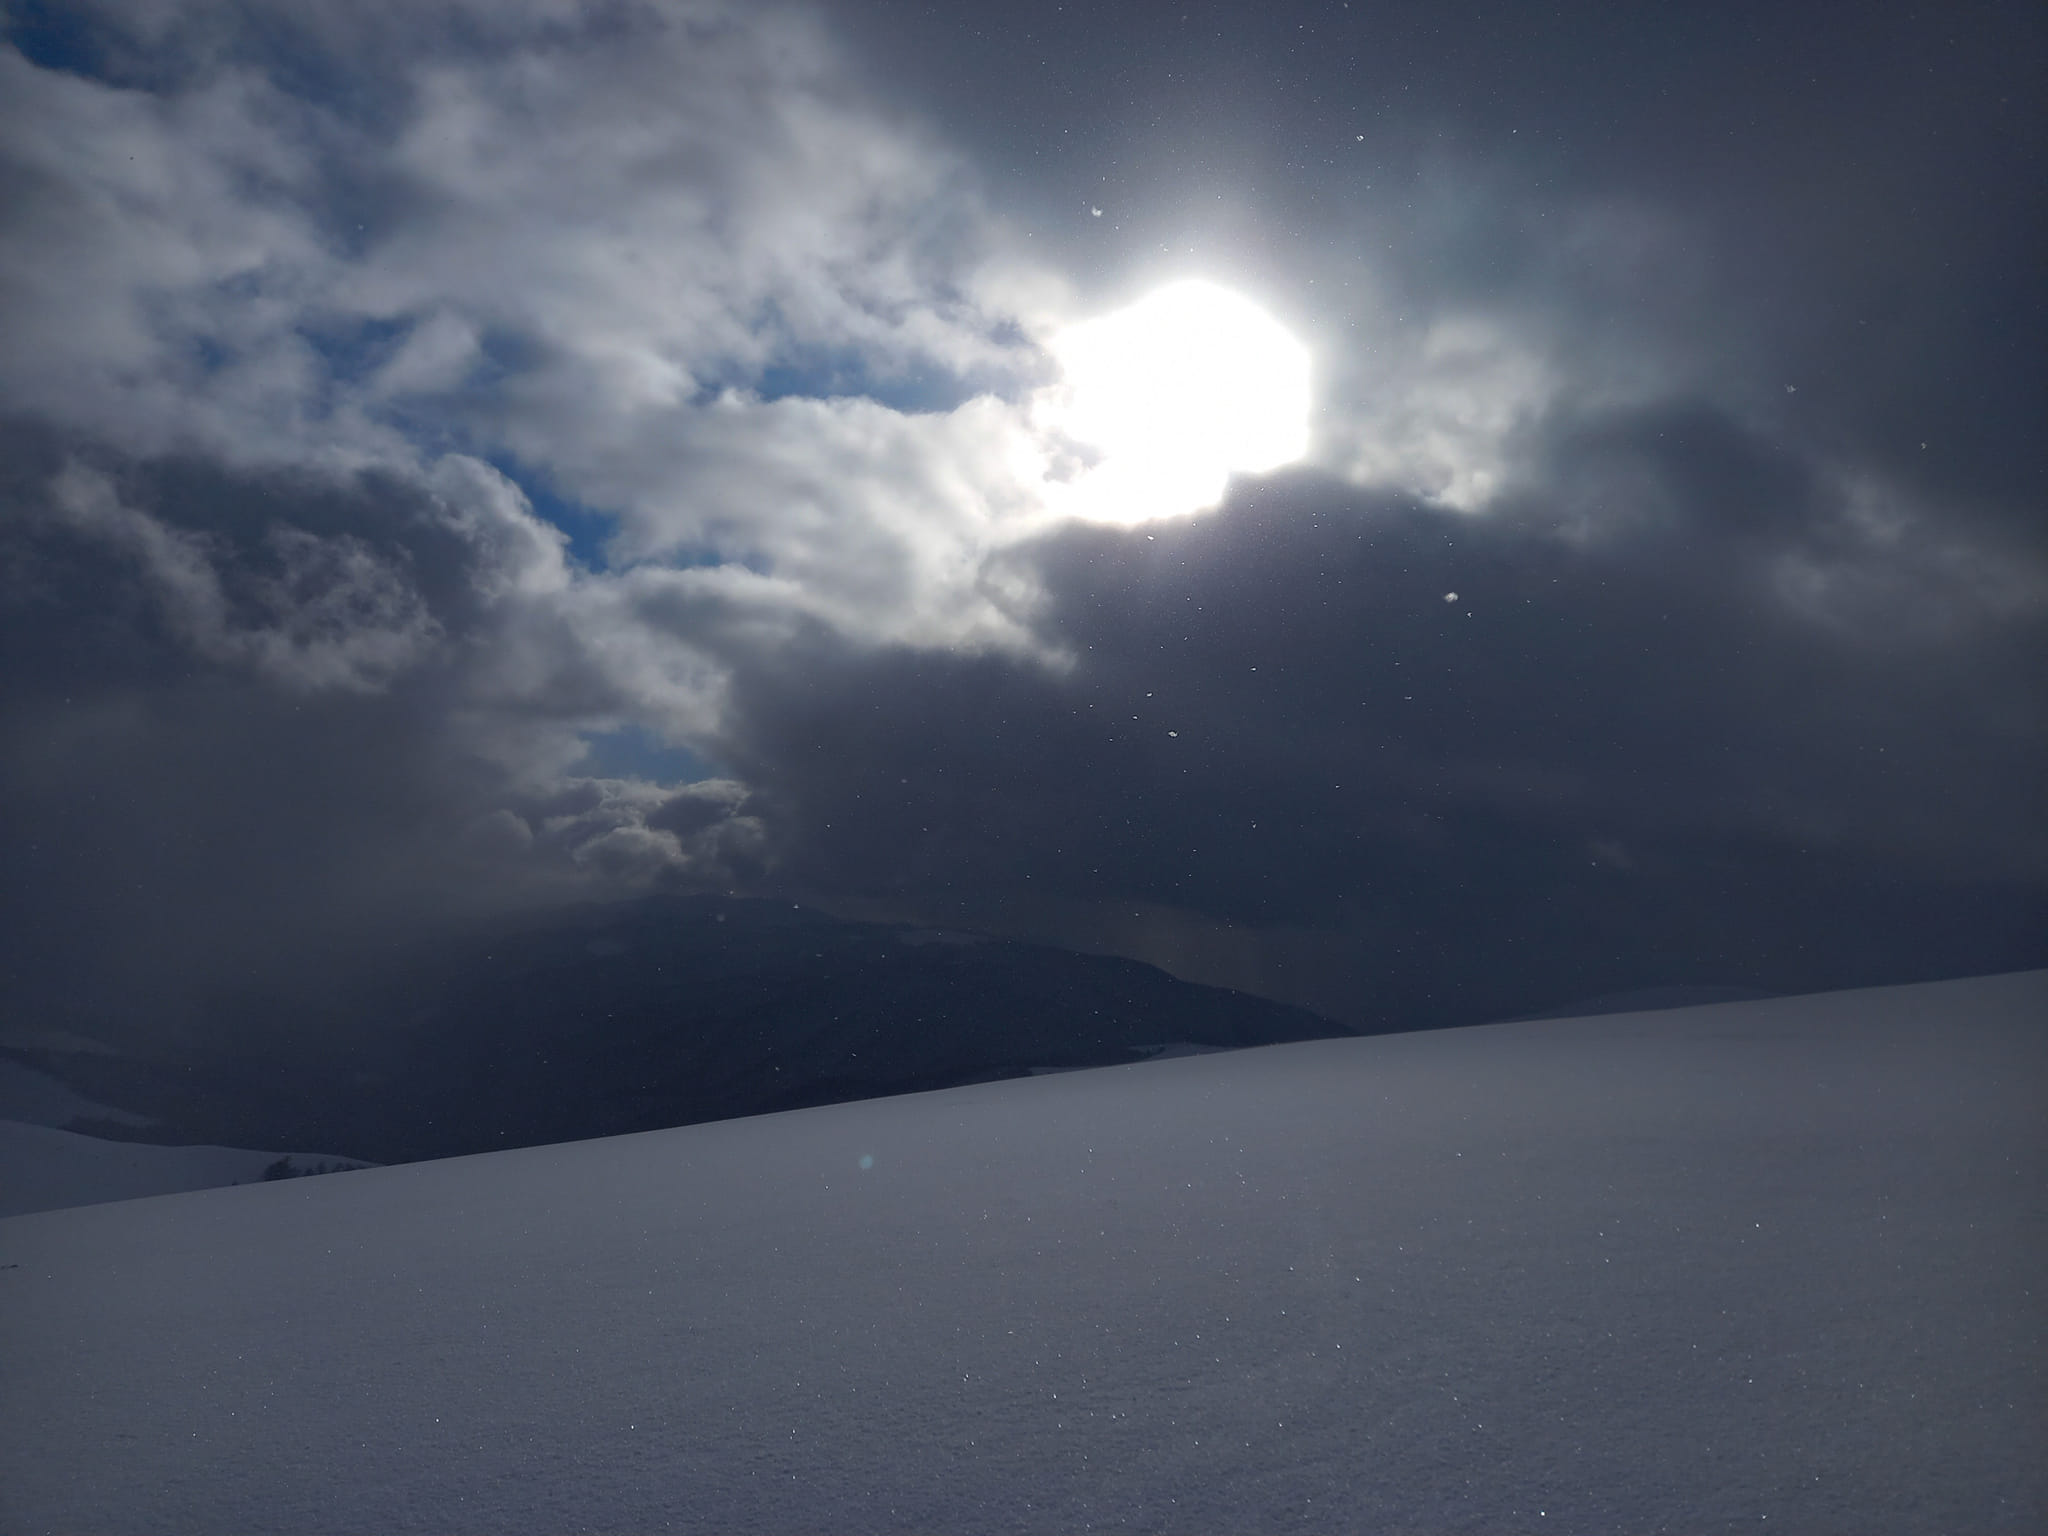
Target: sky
1579,529
1755,1266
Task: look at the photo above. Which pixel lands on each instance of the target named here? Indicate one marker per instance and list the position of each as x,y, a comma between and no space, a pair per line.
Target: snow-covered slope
1755,1266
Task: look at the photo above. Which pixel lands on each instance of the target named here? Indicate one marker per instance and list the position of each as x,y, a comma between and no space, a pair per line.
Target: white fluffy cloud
595,251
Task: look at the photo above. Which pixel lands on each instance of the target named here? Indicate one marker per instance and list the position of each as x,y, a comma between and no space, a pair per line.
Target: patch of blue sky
210,355
846,374
55,37
634,752
354,348
912,393
503,354
588,529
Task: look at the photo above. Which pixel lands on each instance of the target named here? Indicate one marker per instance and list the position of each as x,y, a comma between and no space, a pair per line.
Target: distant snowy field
1754,1266
44,1167
44,1170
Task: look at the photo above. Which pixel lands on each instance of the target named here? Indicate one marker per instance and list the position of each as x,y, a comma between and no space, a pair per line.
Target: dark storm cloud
1388,760
244,746
1720,324
259,721
1697,355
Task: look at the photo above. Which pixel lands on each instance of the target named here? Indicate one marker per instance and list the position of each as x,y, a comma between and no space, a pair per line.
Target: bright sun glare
1174,393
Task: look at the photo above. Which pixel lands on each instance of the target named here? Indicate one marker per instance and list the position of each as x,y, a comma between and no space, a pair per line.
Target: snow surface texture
1756,1266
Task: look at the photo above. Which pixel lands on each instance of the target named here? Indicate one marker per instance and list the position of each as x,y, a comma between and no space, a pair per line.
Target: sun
1171,396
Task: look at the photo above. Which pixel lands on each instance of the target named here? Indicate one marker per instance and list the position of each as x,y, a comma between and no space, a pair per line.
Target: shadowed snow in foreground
1766,1265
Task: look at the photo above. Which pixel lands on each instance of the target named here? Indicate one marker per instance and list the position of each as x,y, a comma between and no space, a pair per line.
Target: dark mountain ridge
663,1011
